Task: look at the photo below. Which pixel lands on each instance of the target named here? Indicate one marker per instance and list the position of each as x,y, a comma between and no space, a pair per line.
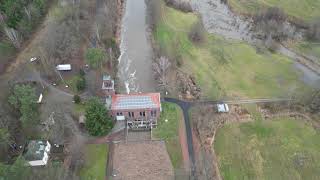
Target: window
129,114
140,113
119,113
153,113
132,114
144,113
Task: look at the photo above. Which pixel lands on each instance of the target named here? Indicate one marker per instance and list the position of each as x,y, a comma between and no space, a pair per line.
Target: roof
223,107
35,150
135,101
106,77
107,82
63,67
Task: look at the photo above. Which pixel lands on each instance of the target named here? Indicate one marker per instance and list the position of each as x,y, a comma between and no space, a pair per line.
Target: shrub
313,32
197,33
179,5
95,57
272,23
77,99
81,83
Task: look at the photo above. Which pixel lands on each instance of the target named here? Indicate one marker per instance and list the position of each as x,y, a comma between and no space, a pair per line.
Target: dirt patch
184,145
142,160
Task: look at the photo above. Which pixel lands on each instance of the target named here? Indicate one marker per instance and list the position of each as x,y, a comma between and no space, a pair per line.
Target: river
135,61
219,19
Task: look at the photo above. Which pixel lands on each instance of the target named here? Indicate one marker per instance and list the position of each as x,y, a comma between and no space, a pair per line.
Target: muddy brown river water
135,61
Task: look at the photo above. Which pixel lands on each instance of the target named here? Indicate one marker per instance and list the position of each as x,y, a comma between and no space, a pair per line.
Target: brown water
135,61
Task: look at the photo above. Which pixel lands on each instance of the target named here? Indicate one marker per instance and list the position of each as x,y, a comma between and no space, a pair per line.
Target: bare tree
161,68
14,36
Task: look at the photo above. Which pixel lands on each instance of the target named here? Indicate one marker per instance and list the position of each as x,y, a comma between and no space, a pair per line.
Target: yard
96,157
169,132
281,148
309,48
306,10
225,67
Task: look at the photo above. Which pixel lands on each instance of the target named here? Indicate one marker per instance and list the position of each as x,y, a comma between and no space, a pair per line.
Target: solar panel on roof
135,102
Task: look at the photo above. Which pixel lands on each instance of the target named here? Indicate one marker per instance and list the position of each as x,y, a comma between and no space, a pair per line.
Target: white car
33,59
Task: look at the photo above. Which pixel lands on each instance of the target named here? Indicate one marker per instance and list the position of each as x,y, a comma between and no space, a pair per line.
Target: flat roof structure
136,101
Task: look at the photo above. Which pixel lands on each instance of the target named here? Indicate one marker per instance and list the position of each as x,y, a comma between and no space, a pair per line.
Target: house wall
136,112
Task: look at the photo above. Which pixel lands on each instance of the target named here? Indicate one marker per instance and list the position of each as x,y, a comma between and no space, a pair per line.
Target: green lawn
309,48
96,158
306,10
169,132
271,149
225,67
6,51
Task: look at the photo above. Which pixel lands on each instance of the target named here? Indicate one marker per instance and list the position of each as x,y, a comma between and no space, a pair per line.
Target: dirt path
184,144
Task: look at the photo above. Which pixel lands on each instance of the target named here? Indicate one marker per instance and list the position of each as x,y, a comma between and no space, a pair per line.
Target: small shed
63,67
223,108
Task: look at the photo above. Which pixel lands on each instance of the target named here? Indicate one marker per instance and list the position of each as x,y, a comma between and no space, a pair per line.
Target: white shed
63,67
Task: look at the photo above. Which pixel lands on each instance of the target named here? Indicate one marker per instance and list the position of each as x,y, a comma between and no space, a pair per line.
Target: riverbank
222,67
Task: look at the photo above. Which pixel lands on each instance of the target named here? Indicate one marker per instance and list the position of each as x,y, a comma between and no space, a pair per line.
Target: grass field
169,132
309,48
225,67
96,157
306,10
272,149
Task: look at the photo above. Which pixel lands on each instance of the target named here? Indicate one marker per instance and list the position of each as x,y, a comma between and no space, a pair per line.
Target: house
63,67
107,85
140,111
37,152
223,108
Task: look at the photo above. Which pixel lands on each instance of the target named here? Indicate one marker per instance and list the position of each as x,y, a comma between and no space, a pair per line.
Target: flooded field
135,61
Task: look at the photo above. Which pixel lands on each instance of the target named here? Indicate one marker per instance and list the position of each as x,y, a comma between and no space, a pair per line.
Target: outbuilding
37,152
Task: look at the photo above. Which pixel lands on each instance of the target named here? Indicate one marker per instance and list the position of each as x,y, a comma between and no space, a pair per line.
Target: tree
197,33
98,122
161,69
77,99
18,170
95,57
23,99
